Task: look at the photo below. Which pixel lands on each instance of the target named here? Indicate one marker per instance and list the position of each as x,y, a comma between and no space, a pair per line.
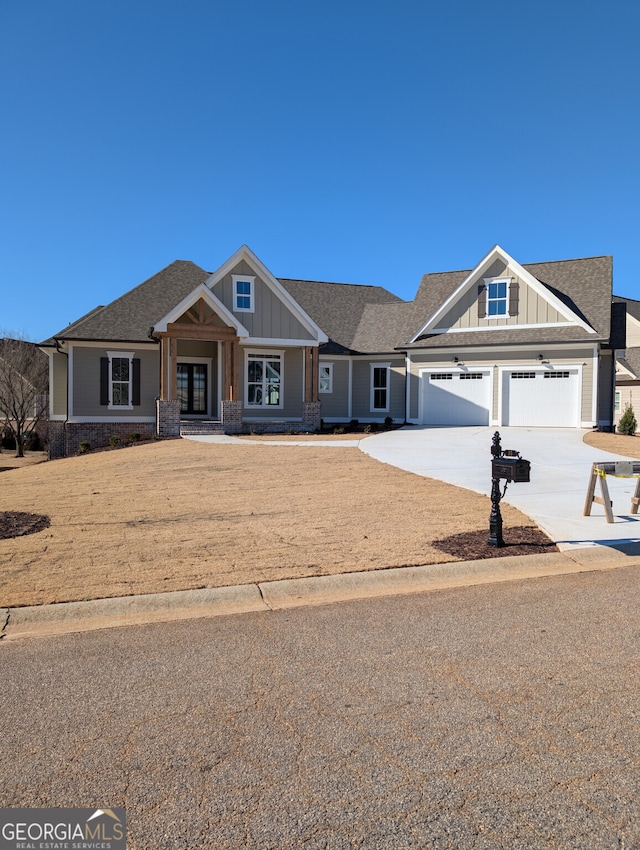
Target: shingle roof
584,285
129,317
361,318
338,308
630,361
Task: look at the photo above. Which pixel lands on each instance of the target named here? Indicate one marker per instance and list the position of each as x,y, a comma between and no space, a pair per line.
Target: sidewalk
69,617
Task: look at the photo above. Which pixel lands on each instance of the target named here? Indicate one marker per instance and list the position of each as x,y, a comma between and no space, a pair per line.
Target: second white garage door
538,398
456,398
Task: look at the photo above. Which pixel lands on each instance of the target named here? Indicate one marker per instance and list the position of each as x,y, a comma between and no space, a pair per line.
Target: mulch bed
17,523
473,546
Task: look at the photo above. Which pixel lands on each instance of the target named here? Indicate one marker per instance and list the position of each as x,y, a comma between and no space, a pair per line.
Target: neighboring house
239,350
627,389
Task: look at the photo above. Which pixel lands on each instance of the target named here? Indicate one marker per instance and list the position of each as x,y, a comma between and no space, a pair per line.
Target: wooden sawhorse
619,469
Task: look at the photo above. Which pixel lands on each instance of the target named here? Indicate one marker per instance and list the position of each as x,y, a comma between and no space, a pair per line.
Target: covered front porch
202,381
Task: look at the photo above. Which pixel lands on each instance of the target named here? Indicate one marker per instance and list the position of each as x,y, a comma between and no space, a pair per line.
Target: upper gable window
497,296
243,293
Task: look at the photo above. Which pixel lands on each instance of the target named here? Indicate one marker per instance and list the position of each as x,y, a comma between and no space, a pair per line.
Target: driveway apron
560,472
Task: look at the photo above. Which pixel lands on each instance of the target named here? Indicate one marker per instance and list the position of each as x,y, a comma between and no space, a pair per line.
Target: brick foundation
65,437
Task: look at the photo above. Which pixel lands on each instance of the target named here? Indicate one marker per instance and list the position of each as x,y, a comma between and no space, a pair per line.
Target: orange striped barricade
619,469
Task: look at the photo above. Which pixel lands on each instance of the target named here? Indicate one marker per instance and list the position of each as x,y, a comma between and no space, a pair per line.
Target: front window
618,405
325,379
264,380
380,387
120,379
243,293
497,298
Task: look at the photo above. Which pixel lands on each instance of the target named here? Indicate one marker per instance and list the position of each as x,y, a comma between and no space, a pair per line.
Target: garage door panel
456,398
548,399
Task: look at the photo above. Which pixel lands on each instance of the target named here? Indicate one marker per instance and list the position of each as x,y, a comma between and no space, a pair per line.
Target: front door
192,388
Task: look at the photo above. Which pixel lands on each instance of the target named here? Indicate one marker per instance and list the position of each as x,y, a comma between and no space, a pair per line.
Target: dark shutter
482,301
104,380
135,394
513,298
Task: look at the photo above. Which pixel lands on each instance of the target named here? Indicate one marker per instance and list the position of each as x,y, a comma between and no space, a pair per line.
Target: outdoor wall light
455,360
540,356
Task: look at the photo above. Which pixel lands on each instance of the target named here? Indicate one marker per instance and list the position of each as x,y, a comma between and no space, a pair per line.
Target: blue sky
344,140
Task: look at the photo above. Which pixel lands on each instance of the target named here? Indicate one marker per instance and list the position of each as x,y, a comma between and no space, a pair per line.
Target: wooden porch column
163,368
231,370
311,373
173,368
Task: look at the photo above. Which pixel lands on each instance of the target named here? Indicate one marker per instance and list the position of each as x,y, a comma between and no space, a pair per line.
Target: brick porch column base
167,418
231,415
311,415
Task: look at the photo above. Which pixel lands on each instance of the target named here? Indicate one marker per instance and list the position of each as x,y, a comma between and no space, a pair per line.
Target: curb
71,617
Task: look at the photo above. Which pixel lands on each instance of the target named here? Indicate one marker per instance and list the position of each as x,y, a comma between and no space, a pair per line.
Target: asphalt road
502,716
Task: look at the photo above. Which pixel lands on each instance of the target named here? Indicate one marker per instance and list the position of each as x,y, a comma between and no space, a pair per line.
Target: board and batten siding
86,382
271,318
532,308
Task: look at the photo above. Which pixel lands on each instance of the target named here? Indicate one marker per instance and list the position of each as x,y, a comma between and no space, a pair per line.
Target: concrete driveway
560,471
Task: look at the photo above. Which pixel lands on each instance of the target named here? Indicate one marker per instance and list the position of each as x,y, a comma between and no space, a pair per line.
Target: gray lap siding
335,405
362,407
85,399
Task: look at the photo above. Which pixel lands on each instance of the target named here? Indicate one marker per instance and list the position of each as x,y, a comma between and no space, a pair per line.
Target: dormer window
497,297
243,299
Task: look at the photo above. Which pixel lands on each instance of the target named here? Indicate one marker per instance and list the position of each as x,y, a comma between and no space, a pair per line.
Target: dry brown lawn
616,443
179,514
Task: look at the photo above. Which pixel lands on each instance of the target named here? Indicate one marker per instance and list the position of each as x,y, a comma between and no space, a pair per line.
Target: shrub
115,441
338,430
388,421
627,424
84,446
134,437
33,443
8,441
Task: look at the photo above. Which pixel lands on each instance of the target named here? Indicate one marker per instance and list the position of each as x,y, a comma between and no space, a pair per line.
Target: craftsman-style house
239,349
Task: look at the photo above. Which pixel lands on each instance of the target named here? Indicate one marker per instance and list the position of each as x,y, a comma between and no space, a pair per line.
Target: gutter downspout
60,350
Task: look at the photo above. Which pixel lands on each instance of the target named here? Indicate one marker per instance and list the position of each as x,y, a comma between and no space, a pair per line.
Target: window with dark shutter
513,298
135,389
482,300
104,380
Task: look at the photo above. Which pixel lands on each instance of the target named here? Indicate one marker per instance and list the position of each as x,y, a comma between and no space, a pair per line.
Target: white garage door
541,398
456,398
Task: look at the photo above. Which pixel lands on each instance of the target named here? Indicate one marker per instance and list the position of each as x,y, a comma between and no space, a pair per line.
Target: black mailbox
511,468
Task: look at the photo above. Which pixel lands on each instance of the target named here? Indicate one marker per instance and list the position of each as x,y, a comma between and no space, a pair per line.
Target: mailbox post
507,465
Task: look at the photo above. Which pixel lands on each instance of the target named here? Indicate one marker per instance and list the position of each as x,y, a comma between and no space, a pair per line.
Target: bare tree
24,379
